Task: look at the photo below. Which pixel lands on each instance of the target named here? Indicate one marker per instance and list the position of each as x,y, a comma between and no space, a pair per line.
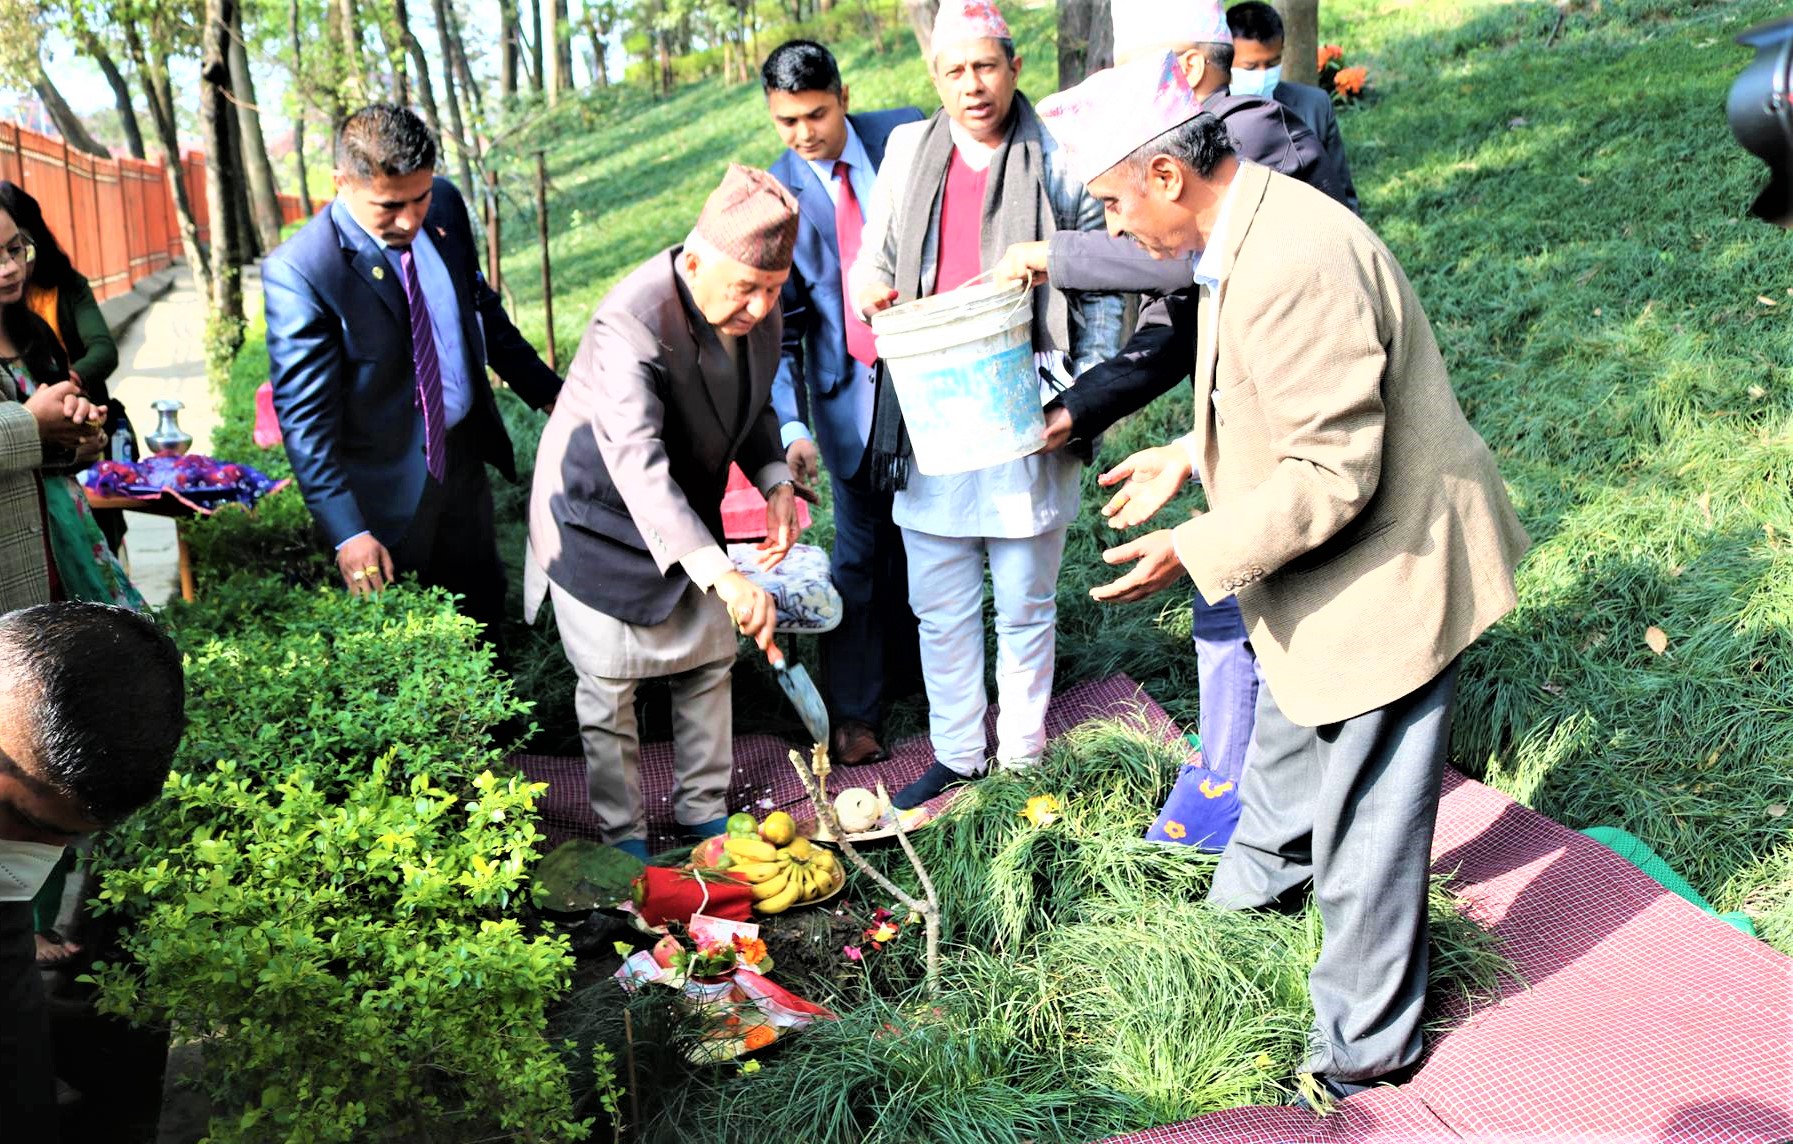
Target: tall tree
921,18
149,59
298,66
225,331
469,87
535,45
345,23
445,35
67,122
510,34
1085,39
264,194
94,49
600,20
1301,39
560,39
426,93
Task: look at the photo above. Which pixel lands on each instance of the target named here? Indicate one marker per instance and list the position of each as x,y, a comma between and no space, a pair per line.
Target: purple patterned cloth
195,479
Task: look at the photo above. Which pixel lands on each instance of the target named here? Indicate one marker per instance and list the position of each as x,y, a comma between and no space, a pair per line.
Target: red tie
848,222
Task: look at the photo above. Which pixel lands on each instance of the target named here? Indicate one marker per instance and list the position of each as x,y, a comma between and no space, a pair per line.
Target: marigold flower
1328,53
760,1036
881,933
1041,810
1176,830
752,950
1350,81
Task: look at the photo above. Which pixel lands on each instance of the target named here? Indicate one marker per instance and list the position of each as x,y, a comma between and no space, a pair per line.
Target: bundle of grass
1086,987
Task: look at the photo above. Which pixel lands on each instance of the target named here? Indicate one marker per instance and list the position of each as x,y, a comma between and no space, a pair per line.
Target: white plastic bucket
963,367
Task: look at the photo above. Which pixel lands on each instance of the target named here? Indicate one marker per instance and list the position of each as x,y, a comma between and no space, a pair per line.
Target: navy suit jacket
339,351
815,329
1315,109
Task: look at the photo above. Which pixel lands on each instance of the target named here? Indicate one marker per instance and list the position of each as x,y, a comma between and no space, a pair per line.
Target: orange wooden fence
115,217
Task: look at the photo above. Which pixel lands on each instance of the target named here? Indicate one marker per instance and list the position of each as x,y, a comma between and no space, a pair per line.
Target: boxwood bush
322,899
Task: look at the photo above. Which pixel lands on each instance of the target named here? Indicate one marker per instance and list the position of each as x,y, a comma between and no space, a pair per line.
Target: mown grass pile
1087,989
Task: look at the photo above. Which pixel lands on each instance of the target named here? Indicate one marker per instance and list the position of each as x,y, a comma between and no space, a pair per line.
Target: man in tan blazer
1358,518
672,384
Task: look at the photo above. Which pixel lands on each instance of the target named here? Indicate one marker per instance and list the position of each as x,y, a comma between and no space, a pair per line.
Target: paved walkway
163,356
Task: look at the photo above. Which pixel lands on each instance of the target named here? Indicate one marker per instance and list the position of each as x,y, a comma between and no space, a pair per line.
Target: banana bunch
783,876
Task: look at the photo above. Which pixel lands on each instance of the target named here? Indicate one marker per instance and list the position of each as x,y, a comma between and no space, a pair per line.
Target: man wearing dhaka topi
672,384
1353,512
953,194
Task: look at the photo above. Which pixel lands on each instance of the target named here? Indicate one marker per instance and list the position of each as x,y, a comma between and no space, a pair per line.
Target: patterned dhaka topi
751,218
959,21
1115,112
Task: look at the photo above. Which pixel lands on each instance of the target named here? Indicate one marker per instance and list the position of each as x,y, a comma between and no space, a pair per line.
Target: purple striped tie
429,371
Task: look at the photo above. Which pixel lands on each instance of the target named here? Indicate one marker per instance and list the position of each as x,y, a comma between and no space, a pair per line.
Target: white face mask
1260,82
24,868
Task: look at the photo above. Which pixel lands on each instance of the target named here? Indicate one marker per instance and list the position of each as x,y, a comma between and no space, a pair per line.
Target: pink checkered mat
764,779
1640,1018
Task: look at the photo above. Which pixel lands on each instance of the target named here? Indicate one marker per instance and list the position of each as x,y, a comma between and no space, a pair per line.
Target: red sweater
961,225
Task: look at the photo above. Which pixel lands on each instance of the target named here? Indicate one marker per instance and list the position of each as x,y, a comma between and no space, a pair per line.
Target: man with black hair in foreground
67,770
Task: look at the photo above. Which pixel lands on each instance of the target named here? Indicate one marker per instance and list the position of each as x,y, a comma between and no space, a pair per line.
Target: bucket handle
1025,298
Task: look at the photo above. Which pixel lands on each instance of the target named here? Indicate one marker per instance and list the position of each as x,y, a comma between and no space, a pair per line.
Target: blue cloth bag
1202,810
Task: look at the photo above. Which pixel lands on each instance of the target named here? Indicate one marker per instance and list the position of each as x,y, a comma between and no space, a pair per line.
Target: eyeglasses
21,252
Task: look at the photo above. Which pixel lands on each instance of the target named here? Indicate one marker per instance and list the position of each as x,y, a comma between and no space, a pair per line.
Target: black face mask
1760,109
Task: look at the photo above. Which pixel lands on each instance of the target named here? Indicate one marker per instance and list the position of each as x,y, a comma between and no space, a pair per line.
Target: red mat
764,779
1640,1018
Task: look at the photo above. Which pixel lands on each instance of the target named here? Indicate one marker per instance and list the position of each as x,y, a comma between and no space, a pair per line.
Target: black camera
1760,108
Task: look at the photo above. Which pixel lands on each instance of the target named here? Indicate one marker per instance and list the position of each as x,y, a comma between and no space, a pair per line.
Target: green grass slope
1568,201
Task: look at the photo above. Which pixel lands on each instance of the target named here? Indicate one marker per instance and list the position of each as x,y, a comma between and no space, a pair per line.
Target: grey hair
1198,144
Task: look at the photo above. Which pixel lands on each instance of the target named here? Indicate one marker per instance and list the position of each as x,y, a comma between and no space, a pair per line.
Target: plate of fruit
781,868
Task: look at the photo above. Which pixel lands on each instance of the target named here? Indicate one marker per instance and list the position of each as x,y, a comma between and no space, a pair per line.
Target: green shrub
342,959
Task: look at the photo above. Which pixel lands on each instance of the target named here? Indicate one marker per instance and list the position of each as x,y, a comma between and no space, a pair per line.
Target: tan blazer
1360,520
24,567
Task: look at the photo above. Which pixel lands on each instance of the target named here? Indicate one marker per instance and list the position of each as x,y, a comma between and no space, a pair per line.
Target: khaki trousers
702,714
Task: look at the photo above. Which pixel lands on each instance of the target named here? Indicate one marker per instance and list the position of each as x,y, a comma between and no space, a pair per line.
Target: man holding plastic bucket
952,195
1353,512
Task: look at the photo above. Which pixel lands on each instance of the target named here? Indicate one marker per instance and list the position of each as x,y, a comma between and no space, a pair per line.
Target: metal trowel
801,691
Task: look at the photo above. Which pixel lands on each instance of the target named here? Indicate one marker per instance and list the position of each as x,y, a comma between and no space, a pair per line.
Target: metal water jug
168,438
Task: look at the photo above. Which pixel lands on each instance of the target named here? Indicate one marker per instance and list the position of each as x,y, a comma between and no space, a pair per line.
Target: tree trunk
537,69
469,87
600,63
348,23
1085,39
215,119
408,42
1301,40
292,30
560,71
508,35
154,81
121,91
921,18
264,193
67,122
445,34
248,243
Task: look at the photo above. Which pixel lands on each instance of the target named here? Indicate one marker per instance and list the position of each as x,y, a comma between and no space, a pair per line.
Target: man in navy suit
831,166
380,328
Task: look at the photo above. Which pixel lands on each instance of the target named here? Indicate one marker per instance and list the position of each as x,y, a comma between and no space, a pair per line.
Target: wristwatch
784,484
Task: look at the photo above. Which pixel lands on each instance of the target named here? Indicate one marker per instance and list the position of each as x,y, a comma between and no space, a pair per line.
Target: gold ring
371,569
357,574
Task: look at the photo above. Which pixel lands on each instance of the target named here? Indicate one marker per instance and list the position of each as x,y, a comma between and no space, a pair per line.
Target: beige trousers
702,715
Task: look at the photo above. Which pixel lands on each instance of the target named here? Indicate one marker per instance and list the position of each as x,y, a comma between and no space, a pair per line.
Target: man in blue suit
380,328
1257,70
831,166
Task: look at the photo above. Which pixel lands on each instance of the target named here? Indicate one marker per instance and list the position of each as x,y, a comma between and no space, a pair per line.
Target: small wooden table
158,506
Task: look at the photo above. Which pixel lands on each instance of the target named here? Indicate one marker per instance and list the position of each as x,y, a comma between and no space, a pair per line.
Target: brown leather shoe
854,745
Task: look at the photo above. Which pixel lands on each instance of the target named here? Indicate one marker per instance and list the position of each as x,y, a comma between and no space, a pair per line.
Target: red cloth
849,223
744,509
267,426
672,895
961,225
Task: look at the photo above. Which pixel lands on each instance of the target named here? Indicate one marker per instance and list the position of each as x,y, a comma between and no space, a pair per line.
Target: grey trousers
702,714
1350,806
